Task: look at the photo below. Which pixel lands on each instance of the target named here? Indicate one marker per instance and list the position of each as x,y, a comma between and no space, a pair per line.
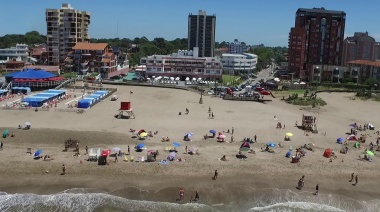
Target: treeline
141,47
29,38
267,54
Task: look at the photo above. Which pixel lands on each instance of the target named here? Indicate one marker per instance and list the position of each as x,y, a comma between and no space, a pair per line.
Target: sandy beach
156,109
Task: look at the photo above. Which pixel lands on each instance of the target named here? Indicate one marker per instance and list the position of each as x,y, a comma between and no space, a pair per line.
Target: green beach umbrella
370,153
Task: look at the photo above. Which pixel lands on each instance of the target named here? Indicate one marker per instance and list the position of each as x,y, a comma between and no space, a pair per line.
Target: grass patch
295,99
231,80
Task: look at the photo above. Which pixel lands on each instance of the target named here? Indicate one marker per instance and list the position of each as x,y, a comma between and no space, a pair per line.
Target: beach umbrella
271,144
212,131
144,134
5,133
140,146
245,149
37,153
370,153
352,125
340,140
27,123
289,134
116,149
175,144
265,92
140,131
222,136
189,134
105,152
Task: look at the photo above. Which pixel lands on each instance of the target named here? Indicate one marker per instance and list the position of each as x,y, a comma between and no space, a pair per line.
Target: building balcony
69,65
317,74
84,63
84,70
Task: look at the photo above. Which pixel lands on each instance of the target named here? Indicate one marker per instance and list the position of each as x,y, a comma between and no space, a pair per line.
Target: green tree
372,82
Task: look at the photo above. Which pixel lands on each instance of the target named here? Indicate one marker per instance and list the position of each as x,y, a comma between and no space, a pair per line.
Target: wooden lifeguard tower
126,107
309,123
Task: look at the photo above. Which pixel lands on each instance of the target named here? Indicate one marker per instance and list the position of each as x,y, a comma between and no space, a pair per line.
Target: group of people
301,183
182,196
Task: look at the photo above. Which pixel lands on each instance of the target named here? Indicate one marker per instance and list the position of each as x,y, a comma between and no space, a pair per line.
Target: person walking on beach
186,150
63,169
233,130
215,175
116,160
352,177
196,196
356,180
187,111
1,145
316,189
129,151
86,150
212,115
255,137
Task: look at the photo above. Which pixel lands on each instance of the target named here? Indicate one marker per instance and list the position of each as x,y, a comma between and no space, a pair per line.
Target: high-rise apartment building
317,38
65,27
201,33
237,47
359,47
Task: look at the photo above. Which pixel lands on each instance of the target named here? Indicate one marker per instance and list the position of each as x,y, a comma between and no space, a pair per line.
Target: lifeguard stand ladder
127,108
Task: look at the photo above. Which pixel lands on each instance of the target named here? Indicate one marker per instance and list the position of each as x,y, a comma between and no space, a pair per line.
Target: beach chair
168,148
132,158
29,150
125,158
142,159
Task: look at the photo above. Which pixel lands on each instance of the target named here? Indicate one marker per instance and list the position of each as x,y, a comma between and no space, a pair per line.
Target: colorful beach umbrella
212,131
143,134
245,149
175,144
271,144
339,140
188,134
289,134
222,136
370,153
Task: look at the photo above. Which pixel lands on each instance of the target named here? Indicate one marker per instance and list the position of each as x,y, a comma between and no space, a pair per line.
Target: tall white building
237,47
65,27
183,64
239,63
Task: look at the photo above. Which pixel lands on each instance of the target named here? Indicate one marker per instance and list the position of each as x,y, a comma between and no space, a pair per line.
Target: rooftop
90,46
320,10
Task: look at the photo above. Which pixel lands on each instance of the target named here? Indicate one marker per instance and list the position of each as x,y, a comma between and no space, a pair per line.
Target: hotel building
201,33
237,47
316,38
183,64
65,27
360,47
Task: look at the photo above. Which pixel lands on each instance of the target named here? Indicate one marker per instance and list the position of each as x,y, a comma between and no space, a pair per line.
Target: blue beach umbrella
189,134
212,131
37,153
140,146
175,144
271,144
339,140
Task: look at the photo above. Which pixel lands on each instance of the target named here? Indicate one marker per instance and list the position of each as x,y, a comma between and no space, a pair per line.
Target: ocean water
266,200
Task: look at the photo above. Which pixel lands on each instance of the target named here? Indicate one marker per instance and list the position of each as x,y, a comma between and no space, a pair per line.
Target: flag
130,92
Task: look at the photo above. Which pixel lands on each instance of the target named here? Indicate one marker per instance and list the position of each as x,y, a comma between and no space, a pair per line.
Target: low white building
239,63
237,47
20,52
183,64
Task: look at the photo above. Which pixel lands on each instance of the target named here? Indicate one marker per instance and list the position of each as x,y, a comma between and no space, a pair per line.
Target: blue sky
251,21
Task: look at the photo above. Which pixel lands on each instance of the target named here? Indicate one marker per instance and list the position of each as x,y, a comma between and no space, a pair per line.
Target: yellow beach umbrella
289,134
144,134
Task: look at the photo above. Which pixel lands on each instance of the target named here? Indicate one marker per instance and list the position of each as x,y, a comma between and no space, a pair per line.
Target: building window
158,69
207,71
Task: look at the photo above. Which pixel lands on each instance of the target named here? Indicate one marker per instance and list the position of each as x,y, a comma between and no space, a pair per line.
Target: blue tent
340,140
31,74
84,103
3,92
94,96
288,154
34,101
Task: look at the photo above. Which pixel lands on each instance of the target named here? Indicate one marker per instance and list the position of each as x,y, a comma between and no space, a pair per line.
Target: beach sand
156,109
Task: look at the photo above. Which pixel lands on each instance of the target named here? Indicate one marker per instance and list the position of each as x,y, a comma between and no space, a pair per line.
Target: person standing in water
181,194
356,180
215,175
196,196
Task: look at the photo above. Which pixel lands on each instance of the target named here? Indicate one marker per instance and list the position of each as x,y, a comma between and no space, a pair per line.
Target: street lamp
201,99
